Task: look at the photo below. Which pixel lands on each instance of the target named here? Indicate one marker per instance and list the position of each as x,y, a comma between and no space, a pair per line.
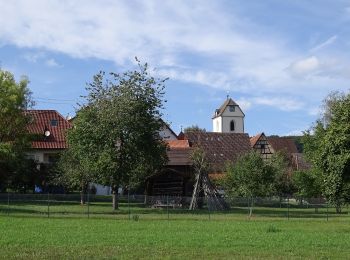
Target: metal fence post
288,208
327,210
167,205
48,204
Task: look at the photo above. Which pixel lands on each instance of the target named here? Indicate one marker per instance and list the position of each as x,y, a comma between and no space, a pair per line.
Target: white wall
239,124
222,124
166,134
217,124
42,156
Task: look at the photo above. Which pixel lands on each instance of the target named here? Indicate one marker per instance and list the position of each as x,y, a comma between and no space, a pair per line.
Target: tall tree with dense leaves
327,145
249,177
15,98
76,166
121,142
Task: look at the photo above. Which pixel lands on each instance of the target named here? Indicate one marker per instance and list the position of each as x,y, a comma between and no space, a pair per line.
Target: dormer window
231,108
232,126
54,122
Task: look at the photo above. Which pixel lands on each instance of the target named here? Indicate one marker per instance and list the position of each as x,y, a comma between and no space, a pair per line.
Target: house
267,146
48,130
260,144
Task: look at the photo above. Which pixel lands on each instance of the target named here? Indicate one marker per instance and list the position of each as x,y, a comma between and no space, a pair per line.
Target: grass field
32,227
72,238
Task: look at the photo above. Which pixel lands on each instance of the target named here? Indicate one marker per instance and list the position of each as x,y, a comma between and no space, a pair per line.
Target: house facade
48,130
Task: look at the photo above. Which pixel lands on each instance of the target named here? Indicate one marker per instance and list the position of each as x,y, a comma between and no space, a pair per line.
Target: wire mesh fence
136,207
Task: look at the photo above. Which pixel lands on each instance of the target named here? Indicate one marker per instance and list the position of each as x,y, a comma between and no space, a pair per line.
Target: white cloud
304,66
244,104
298,132
324,44
220,49
33,57
52,63
284,104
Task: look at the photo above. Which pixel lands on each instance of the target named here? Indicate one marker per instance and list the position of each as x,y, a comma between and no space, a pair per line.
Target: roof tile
41,121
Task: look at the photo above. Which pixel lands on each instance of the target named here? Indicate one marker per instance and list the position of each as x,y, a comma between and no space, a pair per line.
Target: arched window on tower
232,126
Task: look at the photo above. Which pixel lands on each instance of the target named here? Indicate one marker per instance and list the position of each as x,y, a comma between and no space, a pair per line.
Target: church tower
229,118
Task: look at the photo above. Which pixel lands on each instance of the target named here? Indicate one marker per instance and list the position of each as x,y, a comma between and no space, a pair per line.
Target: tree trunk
82,197
338,208
82,194
251,207
115,197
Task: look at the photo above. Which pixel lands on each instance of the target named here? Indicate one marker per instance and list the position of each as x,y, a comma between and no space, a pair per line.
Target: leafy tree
14,99
327,146
76,166
119,137
307,184
194,128
249,177
279,167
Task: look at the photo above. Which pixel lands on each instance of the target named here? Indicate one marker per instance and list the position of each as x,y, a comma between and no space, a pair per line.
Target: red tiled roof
283,144
41,121
220,147
254,139
178,143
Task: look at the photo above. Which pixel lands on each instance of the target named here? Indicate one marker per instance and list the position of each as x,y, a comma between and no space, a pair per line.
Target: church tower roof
221,110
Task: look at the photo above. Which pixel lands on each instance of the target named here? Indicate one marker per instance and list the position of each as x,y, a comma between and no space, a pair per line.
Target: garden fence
135,207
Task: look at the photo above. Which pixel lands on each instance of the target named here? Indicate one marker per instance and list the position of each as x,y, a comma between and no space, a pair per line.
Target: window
232,108
53,122
232,126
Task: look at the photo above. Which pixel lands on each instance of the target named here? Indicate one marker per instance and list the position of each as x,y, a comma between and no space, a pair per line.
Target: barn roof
283,144
48,120
179,152
220,147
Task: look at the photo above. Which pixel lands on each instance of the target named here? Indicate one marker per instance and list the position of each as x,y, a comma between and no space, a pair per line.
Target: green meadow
144,238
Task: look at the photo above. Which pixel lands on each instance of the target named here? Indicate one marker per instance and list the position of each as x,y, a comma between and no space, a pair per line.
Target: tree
327,146
194,128
119,135
76,167
307,184
249,177
279,167
15,98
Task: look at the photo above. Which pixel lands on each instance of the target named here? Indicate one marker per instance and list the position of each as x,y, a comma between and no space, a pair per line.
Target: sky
277,59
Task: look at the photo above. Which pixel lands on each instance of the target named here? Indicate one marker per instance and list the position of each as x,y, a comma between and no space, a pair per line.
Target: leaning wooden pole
203,183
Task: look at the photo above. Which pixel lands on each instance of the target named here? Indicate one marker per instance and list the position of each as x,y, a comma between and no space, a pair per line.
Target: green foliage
327,146
307,184
194,128
278,166
14,139
115,139
249,177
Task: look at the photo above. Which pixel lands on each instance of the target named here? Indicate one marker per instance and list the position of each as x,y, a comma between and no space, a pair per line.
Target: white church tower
229,118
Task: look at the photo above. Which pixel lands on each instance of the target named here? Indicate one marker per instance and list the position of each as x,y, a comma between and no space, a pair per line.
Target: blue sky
276,59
